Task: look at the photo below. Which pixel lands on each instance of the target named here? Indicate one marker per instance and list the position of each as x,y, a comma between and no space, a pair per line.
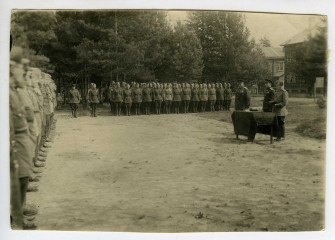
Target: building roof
272,52
301,37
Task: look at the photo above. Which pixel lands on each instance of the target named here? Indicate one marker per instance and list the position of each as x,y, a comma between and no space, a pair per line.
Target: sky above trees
276,27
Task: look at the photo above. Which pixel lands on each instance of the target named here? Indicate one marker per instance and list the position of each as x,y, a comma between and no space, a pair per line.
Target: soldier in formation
32,99
93,99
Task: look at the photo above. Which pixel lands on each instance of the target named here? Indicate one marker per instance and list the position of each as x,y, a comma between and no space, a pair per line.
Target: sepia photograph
167,121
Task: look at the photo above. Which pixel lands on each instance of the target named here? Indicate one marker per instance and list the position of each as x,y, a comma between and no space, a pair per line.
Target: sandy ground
177,173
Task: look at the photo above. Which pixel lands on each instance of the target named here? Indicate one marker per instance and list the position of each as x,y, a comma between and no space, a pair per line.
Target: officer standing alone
242,97
74,100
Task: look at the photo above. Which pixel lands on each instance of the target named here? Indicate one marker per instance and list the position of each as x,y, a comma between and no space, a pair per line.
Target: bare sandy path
157,173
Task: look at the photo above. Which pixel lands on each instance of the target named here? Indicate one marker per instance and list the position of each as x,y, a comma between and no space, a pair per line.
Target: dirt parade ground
177,173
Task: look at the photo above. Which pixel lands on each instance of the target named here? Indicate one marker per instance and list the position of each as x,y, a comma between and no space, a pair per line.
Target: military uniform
127,100
74,100
195,99
147,98
269,94
93,96
158,97
22,143
242,98
137,99
228,94
203,98
220,98
59,101
186,98
212,98
280,103
176,99
118,99
168,96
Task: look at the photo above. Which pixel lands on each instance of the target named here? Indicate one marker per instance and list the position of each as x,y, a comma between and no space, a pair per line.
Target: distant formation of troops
157,98
32,102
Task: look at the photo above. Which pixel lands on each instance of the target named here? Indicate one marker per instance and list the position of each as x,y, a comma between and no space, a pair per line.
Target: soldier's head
279,85
228,85
137,85
240,83
73,86
268,83
94,86
220,85
17,75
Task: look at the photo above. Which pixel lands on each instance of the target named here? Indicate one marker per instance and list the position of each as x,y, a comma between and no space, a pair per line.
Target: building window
290,78
280,66
289,57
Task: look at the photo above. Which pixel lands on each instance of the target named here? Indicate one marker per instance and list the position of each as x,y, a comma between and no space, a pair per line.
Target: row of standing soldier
155,96
32,102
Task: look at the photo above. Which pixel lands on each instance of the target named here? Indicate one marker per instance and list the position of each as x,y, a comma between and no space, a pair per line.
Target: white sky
276,27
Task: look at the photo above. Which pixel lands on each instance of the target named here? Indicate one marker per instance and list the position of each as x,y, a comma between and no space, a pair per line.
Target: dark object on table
250,123
252,109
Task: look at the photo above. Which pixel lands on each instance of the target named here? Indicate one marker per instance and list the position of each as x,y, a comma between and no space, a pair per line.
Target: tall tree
186,58
226,46
265,42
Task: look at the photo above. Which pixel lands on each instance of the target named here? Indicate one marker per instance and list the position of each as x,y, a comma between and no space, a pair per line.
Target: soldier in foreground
242,97
269,95
279,107
22,143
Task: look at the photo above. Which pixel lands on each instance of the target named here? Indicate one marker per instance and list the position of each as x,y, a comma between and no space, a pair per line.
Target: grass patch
315,128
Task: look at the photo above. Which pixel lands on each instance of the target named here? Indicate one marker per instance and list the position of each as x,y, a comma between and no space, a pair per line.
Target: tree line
102,46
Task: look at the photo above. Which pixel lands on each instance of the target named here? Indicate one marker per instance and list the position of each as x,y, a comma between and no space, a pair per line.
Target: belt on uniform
21,131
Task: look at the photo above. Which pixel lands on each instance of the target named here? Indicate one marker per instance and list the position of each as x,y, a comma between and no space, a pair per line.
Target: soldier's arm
283,101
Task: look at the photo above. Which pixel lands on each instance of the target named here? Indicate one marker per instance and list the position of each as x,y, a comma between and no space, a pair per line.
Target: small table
248,123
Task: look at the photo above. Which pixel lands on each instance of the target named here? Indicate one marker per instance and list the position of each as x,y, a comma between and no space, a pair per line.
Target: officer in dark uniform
269,95
242,97
74,100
